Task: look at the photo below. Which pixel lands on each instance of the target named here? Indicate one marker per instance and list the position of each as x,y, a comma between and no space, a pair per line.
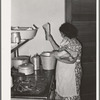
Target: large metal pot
16,61
48,61
27,68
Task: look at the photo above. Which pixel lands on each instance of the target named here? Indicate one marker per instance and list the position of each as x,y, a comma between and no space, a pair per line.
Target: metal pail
48,61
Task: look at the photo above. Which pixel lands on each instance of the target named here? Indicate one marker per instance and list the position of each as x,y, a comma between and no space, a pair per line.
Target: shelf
19,45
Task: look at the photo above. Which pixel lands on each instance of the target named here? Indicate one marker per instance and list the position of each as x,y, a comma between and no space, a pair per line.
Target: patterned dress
68,76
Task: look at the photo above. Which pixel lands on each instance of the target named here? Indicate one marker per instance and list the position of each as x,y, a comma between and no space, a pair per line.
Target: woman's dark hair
68,30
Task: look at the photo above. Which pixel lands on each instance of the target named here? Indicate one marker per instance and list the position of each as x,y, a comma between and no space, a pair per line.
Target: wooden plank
89,44
89,69
68,11
84,17
89,52
85,28
88,58
88,85
84,22
87,38
84,6
89,96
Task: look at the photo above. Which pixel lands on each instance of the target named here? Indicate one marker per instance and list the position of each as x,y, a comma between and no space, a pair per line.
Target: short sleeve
74,48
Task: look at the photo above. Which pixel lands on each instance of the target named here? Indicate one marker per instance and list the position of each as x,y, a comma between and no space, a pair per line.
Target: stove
32,86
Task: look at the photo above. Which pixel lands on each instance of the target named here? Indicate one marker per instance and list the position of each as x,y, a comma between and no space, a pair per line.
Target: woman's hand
66,58
55,54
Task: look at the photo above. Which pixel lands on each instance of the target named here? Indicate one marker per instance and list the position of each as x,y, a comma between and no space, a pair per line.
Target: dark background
82,13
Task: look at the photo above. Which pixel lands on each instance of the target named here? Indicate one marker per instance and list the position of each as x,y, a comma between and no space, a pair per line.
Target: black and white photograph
50,50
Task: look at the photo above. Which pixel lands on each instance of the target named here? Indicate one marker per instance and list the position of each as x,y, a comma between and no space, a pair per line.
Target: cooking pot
48,61
35,60
26,68
16,61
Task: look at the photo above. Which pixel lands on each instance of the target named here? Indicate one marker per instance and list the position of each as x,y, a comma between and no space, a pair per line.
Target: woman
68,69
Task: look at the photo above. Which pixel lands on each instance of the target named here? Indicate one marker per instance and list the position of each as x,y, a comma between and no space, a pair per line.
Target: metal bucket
15,37
48,61
35,60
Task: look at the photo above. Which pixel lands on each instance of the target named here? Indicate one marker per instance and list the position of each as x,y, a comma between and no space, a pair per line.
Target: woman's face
62,35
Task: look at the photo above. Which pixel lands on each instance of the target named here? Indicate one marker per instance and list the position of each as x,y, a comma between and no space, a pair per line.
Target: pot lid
26,66
21,58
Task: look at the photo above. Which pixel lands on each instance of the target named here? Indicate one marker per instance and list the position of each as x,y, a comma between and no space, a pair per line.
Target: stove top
30,85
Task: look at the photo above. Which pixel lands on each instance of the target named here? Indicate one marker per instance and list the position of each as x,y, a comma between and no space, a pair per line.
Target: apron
65,76
65,79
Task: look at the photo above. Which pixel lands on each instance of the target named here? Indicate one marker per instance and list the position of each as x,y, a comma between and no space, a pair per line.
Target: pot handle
35,27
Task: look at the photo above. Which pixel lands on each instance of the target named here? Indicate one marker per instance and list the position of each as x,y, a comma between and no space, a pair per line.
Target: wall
38,12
